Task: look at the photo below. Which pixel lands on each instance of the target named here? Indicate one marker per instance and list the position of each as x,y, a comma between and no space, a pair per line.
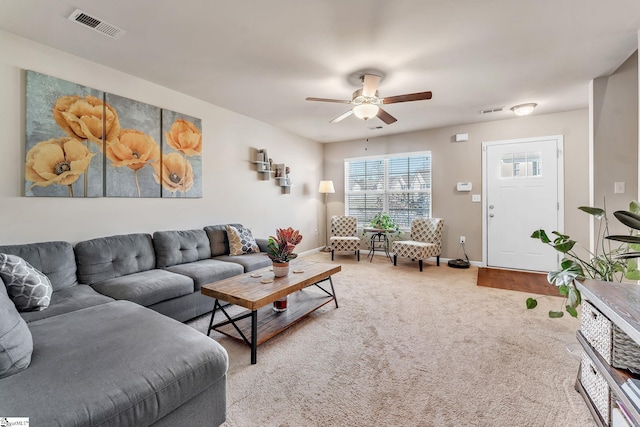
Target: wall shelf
265,167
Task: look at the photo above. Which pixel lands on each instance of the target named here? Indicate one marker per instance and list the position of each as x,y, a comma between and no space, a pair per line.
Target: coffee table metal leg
213,313
254,337
333,291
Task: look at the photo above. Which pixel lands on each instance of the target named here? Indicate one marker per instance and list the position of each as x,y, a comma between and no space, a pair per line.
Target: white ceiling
262,58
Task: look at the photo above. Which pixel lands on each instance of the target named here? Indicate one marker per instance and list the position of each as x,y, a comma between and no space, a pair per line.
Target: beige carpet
411,349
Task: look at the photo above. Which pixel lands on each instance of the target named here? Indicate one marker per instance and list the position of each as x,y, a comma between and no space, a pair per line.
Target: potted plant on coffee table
280,249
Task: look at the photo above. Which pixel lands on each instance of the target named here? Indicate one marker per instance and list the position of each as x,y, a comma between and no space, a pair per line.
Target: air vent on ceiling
96,24
492,110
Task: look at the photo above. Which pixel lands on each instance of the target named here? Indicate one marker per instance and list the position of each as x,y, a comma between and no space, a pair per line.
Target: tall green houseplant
608,262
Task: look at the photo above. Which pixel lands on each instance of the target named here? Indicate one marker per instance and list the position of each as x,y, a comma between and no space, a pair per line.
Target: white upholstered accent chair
426,241
344,235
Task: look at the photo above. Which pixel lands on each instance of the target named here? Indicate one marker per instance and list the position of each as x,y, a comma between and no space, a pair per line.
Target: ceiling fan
366,102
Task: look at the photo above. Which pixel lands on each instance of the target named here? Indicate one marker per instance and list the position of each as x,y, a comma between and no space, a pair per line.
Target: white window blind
400,186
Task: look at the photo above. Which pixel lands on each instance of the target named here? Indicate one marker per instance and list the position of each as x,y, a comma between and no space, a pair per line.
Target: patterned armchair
426,241
344,235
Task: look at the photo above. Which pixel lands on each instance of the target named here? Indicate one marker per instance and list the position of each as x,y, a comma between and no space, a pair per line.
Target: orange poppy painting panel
180,169
131,157
65,134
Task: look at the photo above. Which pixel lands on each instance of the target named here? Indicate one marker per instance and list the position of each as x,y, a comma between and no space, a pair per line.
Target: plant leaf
540,234
531,303
555,314
634,206
565,246
629,219
573,297
572,311
597,212
632,275
564,290
561,236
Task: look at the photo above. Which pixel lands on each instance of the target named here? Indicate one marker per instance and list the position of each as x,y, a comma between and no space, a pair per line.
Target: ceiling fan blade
342,116
370,85
342,101
419,96
386,117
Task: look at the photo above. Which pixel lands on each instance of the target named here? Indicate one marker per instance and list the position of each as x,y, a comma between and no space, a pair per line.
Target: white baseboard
363,251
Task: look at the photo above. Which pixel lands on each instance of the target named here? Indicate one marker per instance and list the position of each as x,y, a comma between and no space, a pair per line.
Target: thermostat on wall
464,186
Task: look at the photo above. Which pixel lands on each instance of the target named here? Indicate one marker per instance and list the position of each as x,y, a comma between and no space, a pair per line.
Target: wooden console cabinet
620,303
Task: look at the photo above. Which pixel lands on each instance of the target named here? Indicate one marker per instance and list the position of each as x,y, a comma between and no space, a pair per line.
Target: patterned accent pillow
241,241
29,289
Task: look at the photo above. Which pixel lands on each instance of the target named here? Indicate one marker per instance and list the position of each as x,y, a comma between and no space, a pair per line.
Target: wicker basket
596,387
616,347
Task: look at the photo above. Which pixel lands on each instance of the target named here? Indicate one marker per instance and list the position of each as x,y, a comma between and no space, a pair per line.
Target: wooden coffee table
260,322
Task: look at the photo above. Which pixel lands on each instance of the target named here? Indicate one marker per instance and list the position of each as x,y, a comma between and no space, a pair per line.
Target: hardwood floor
523,281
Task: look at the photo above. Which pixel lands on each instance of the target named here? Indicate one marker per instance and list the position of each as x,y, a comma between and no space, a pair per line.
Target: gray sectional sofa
110,350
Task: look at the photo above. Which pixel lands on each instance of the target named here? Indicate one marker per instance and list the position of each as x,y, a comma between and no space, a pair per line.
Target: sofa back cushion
114,256
54,259
180,247
218,238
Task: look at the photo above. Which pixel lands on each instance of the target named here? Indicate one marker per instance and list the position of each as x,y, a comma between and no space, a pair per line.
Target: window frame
386,191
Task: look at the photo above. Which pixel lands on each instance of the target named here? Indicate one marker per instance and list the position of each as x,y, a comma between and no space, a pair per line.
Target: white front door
522,185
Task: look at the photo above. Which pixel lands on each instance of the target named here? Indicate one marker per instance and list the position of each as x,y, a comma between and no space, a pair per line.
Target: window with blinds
400,186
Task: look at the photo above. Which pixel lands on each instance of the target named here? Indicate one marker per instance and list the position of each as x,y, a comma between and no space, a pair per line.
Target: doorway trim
560,182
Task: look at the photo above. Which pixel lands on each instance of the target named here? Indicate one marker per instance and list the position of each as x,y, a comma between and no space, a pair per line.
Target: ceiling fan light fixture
524,109
365,111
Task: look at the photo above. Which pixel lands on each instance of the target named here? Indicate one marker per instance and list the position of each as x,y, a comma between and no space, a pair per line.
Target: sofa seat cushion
206,271
67,300
249,262
116,364
147,287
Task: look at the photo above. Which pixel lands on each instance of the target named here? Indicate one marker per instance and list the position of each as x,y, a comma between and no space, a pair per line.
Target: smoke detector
96,24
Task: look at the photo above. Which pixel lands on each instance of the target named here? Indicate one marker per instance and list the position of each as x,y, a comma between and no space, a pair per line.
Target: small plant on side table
383,221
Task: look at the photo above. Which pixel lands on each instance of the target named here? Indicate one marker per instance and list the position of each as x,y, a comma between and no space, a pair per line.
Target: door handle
491,215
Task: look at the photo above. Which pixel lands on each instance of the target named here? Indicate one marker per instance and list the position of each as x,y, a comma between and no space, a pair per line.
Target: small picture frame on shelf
280,170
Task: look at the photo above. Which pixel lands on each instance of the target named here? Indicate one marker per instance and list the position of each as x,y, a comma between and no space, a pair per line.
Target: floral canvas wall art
64,138
130,157
180,171
81,142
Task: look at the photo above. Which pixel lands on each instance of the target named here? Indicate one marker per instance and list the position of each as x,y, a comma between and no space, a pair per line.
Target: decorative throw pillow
16,342
241,241
29,289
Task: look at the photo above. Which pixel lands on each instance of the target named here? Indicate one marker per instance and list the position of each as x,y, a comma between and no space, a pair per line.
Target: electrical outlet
462,240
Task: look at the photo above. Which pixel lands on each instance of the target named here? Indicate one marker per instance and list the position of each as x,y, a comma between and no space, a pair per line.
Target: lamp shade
524,109
326,187
365,111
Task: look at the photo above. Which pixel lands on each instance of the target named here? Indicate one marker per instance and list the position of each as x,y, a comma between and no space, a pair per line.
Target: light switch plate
475,198
619,187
